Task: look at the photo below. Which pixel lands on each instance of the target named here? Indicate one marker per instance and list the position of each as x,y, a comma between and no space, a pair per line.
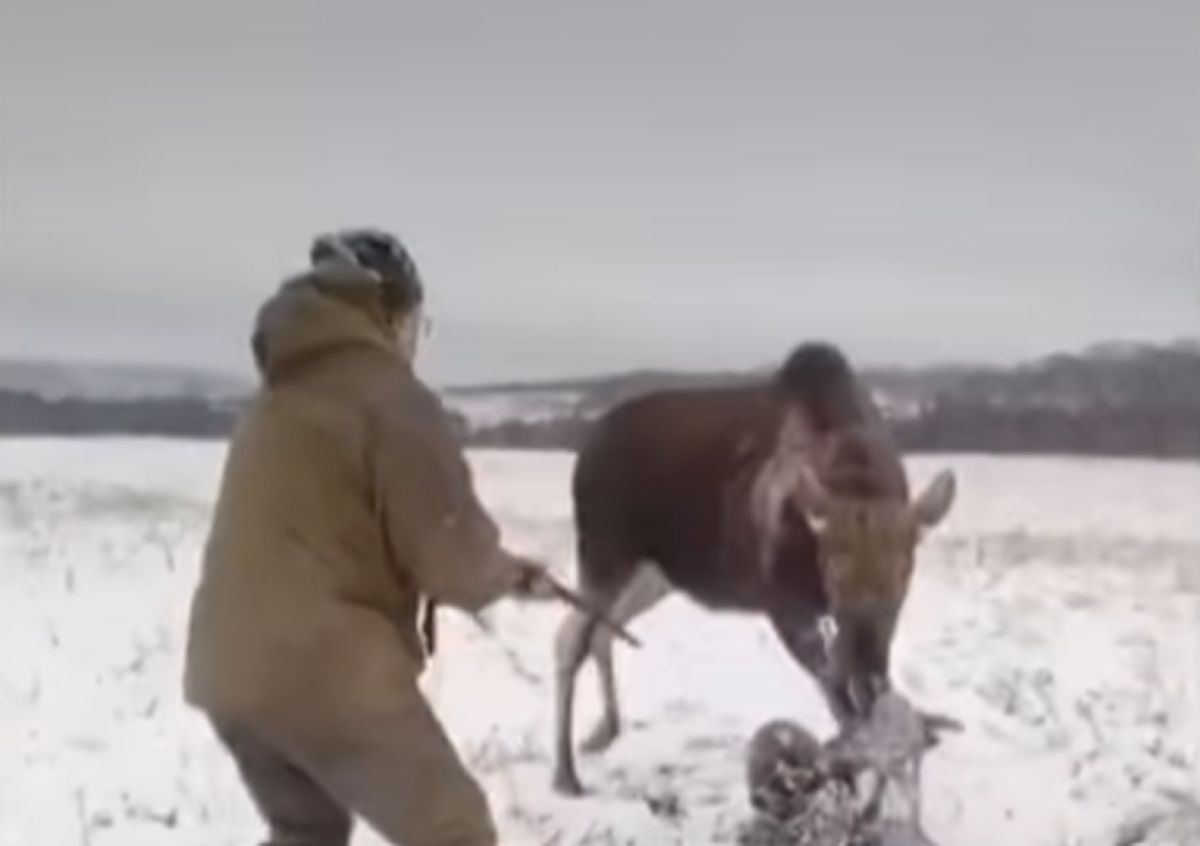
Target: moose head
867,552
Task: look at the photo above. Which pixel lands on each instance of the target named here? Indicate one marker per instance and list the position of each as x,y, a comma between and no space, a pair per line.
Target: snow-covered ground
1057,613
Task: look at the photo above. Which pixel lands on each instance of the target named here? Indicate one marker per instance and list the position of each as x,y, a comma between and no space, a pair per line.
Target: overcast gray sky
594,186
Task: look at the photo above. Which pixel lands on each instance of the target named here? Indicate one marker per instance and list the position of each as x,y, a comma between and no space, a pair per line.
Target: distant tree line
951,426
23,413
1140,402
1158,431
1143,401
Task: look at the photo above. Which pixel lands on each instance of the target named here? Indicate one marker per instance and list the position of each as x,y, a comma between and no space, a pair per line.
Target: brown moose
786,498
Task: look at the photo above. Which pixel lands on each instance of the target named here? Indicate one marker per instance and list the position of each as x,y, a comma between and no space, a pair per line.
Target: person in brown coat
345,503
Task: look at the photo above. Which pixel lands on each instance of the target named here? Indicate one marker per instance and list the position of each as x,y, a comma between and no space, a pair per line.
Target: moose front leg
801,635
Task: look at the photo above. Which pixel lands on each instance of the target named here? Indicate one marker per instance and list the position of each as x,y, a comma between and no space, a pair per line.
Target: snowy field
1057,614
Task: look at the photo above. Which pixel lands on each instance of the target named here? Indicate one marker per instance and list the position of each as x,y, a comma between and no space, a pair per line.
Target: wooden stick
576,601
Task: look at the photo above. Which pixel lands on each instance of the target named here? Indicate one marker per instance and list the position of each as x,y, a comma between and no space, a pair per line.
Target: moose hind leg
647,588
570,651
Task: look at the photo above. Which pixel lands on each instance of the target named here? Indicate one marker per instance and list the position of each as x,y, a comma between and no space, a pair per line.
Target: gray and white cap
379,253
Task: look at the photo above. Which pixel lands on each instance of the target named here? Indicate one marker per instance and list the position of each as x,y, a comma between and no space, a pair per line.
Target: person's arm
438,531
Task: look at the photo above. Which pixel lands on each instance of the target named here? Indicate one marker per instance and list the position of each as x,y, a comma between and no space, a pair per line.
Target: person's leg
298,811
397,770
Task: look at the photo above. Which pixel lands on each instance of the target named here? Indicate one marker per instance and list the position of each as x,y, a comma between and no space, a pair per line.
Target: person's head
401,291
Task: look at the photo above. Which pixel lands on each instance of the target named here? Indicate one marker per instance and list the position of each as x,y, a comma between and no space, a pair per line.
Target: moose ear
934,503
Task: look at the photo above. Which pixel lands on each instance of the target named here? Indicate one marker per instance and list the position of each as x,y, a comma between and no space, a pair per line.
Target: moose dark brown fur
786,498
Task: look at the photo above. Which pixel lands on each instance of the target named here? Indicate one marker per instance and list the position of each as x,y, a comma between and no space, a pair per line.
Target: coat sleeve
438,531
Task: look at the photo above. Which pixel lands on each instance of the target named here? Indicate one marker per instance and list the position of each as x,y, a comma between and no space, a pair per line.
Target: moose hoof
566,783
601,738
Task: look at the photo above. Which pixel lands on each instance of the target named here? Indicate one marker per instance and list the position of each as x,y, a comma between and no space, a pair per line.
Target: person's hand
533,581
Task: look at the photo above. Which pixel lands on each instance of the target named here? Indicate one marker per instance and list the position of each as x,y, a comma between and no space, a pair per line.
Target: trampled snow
1057,613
